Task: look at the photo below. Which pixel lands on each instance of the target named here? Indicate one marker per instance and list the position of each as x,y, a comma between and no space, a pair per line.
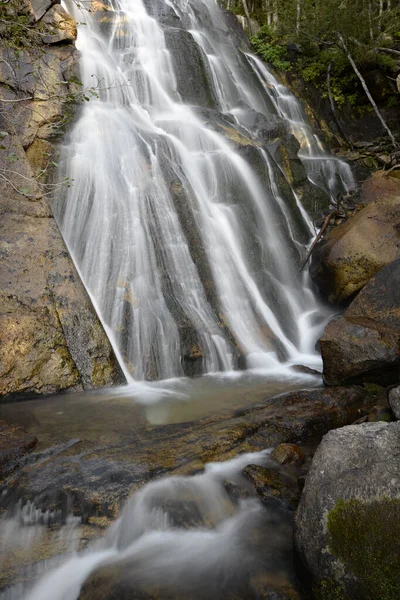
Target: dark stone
347,525
15,443
288,454
273,487
191,71
394,401
364,343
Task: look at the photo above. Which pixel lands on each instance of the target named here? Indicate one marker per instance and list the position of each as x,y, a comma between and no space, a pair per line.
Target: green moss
375,389
329,589
365,537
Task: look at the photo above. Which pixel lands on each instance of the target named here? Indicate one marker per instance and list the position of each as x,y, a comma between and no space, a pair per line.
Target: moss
329,589
285,161
375,389
232,134
365,537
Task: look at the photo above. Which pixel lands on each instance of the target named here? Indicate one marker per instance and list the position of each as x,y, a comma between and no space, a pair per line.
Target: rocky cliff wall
50,336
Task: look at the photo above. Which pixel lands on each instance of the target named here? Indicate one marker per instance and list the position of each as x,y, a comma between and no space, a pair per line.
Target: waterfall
175,218
331,174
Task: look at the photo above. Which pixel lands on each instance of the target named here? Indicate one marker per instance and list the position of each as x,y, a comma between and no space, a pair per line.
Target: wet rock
348,522
380,413
288,454
59,26
274,487
236,31
267,587
164,14
356,250
15,442
193,81
236,492
95,476
363,344
306,370
287,157
394,401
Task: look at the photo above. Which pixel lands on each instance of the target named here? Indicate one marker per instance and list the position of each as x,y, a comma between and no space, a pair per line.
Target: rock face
59,26
347,525
353,252
50,336
394,401
364,343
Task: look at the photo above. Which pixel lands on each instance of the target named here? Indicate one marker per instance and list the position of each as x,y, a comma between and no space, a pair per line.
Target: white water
327,172
145,164
205,554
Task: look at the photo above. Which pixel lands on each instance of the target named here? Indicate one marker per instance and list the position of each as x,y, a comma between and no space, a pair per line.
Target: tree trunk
366,90
333,106
298,15
246,12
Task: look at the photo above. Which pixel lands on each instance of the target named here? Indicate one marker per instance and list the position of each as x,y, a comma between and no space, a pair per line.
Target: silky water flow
189,238
181,236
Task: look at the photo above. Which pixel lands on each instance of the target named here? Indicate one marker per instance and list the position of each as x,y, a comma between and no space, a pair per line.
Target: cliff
50,336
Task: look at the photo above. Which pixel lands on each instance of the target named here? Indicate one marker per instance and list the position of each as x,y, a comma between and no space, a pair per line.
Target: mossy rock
364,536
347,527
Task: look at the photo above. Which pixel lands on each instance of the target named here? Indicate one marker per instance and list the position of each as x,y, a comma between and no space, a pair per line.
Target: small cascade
187,534
329,173
175,219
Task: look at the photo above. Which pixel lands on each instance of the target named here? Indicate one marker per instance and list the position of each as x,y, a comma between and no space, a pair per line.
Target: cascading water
185,244
215,555
327,172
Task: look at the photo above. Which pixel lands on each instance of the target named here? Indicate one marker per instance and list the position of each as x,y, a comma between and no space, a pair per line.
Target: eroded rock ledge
50,336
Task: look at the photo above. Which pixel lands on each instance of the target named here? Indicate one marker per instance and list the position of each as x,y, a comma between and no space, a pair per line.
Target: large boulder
347,527
353,252
364,343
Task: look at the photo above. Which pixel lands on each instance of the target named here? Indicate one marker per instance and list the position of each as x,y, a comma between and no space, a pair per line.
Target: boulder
40,7
363,345
193,79
288,454
353,252
347,526
273,487
394,401
59,26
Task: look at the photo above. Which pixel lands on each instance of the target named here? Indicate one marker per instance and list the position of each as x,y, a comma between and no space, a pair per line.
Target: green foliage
265,44
314,26
16,30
